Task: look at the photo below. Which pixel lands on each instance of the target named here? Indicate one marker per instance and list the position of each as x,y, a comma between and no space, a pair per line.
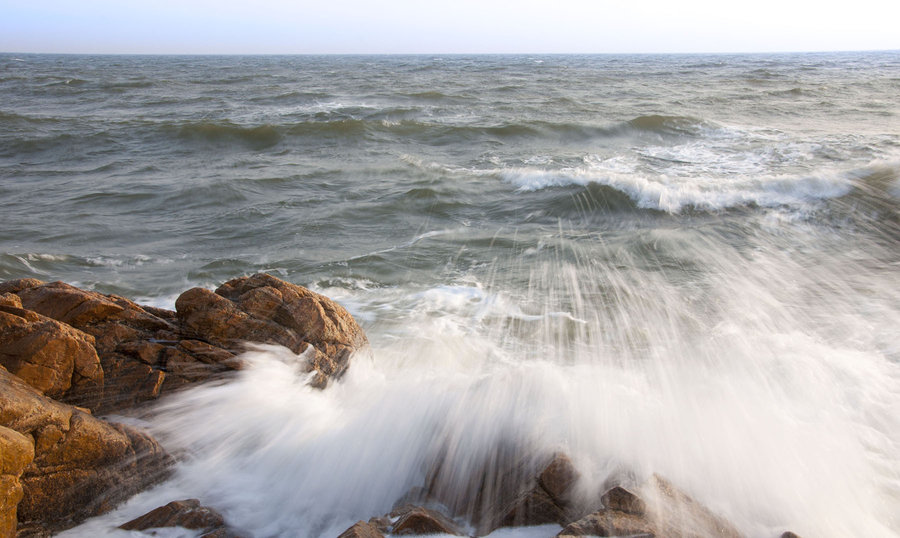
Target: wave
677,125
673,195
258,137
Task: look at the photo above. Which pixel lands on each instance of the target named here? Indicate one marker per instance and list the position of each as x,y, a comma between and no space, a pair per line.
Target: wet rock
415,520
678,515
265,309
558,478
610,523
361,529
54,358
509,488
82,466
16,452
187,513
619,498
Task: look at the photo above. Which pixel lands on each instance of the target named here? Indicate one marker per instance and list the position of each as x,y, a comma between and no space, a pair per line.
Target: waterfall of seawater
760,380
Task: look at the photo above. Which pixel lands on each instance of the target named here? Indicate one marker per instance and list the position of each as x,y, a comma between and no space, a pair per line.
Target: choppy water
676,264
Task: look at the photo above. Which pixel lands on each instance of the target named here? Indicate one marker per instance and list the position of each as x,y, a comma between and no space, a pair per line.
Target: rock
361,529
16,452
187,513
54,358
610,523
619,498
140,349
788,534
419,520
82,465
558,477
678,515
265,309
510,488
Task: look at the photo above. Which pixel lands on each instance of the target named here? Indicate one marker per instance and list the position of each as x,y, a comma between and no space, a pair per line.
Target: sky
444,27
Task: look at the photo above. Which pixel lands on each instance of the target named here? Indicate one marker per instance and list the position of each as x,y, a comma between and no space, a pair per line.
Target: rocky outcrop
188,514
262,308
82,465
16,452
106,353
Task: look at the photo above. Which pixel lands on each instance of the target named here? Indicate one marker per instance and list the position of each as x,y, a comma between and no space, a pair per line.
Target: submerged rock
82,465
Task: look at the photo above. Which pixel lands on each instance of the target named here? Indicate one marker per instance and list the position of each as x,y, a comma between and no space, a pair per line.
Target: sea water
683,265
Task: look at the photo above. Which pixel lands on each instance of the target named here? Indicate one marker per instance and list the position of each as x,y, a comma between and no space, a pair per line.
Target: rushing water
687,265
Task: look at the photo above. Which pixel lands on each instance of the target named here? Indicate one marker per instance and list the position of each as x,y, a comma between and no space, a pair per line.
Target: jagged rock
610,523
187,513
139,348
16,452
265,309
361,529
82,465
54,358
419,520
619,498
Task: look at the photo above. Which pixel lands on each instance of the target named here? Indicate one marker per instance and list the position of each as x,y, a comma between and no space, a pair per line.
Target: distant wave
260,137
674,196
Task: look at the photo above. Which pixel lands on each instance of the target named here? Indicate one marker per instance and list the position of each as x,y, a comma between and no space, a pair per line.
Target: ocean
677,264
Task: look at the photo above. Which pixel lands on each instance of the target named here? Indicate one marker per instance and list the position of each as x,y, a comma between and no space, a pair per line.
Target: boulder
188,514
82,465
361,529
54,358
265,309
16,452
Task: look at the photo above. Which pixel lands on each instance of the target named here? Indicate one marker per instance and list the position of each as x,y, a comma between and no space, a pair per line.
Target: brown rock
82,465
419,520
361,529
610,523
15,286
54,358
265,309
16,452
558,477
10,299
187,513
619,498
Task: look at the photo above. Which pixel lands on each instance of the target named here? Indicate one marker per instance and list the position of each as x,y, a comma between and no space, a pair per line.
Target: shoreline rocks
98,353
